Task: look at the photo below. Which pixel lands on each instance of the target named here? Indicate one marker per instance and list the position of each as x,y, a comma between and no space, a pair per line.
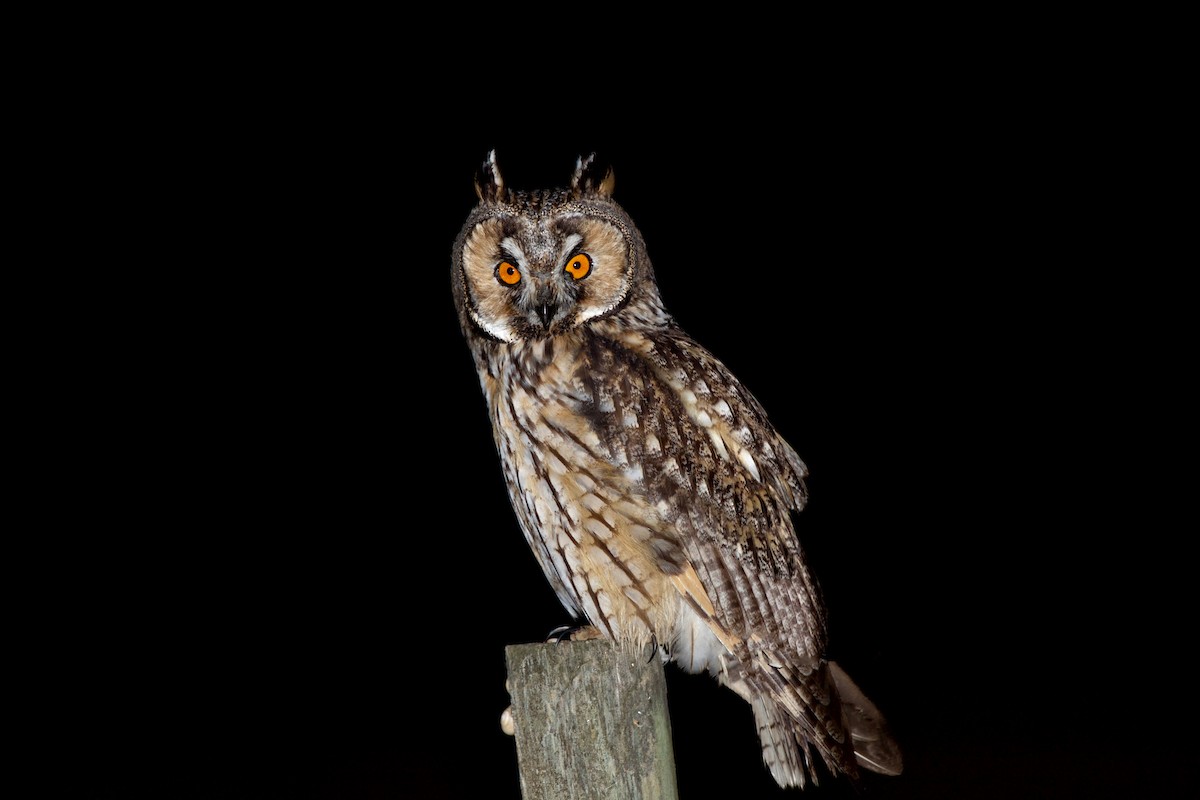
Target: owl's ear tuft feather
489,184
588,179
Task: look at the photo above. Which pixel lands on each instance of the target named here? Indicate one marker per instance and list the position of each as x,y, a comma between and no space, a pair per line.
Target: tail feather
839,722
874,747
801,708
776,732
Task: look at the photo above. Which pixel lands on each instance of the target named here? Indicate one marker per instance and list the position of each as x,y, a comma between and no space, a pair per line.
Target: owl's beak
546,304
546,312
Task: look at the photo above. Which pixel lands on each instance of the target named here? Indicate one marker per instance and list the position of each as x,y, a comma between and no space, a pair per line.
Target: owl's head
532,265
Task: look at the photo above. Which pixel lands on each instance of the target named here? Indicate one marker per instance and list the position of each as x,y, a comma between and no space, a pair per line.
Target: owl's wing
726,483
725,480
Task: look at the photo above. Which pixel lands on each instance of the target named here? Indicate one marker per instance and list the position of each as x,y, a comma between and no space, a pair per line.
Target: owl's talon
558,634
574,633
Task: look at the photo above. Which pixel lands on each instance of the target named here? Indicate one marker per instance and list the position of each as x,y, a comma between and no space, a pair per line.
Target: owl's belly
599,560
606,575
593,532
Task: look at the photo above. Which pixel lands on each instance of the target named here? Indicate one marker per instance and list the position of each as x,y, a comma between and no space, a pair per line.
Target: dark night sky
310,569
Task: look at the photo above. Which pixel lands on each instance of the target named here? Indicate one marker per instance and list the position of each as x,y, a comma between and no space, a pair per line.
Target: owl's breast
578,491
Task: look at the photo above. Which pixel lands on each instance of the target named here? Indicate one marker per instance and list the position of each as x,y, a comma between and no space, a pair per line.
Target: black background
299,569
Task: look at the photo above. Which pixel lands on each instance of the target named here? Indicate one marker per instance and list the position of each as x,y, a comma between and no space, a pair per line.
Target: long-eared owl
653,490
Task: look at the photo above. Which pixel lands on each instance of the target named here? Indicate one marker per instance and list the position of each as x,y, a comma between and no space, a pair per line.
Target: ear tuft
489,184
588,178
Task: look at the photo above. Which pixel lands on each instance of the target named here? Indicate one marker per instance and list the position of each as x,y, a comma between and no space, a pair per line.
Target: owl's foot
656,648
574,633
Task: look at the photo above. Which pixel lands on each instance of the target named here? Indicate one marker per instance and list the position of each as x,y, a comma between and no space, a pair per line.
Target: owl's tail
789,764
874,747
791,725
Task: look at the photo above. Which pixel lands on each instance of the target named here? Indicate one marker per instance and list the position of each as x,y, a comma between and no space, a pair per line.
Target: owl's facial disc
535,280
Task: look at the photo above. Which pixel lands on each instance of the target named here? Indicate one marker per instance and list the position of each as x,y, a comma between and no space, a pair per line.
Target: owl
652,488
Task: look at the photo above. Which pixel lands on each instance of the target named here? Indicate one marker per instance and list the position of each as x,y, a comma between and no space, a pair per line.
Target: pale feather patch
632,510
569,245
639,599
749,463
560,565
513,246
495,328
639,569
688,584
592,503
671,468
597,528
605,603
695,647
718,443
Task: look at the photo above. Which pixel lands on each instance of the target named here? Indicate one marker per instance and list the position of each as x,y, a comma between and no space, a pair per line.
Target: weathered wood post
591,722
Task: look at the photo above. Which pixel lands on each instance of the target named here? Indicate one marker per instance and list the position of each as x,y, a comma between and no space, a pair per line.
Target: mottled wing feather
675,409
714,464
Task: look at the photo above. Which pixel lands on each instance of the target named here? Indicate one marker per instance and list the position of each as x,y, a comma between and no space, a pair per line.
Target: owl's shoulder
703,399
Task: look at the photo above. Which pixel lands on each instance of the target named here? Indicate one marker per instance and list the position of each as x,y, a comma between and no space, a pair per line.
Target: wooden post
591,722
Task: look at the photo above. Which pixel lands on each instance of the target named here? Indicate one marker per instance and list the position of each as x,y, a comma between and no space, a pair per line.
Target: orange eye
579,266
507,273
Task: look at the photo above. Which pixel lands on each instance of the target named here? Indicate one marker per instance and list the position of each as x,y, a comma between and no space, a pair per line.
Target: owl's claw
559,633
574,633
654,647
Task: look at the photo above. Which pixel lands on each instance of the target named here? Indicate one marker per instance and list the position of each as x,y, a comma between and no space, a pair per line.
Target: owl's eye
507,273
579,266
